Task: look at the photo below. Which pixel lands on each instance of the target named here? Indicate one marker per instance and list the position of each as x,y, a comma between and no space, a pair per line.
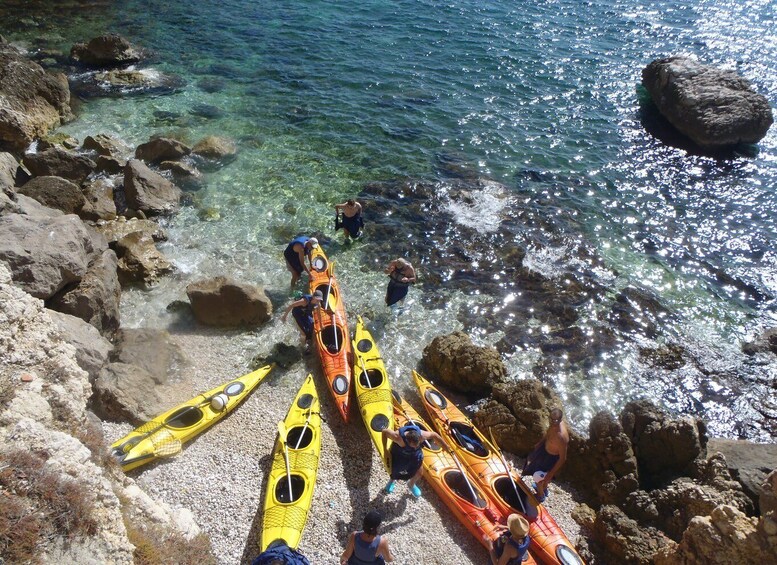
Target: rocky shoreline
76,223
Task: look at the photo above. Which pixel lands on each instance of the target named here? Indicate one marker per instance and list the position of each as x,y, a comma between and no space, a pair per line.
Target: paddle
456,458
366,374
507,469
282,436
305,427
329,288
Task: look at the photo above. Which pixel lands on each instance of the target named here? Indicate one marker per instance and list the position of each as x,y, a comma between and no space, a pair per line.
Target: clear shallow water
324,98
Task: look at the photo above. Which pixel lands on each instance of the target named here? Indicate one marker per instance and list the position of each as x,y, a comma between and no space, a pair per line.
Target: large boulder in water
148,191
713,107
107,50
461,365
226,303
31,100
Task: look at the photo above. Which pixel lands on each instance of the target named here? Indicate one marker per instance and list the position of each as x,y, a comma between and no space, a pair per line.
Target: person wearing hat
295,253
366,546
512,546
302,310
401,275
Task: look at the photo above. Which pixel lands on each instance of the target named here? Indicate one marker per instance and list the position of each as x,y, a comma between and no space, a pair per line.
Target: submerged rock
714,107
105,51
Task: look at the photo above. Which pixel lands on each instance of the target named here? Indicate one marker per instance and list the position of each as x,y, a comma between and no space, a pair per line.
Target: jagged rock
105,145
56,162
713,107
92,349
672,508
766,342
117,229
619,539
42,263
124,392
214,147
59,139
152,350
148,191
55,192
99,203
726,536
96,298
456,362
749,463
31,100
162,149
603,467
9,173
8,204
768,499
518,414
105,51
139,259
223,302
180,169
110,165
665,448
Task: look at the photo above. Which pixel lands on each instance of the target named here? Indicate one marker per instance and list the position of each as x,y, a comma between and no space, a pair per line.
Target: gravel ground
220,475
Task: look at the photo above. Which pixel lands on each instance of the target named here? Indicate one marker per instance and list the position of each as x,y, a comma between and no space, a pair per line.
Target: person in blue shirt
511,548
302,310
406,455
366,546
295,253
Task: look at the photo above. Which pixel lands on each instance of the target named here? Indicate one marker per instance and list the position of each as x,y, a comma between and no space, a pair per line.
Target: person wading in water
295,253
351,221
401,275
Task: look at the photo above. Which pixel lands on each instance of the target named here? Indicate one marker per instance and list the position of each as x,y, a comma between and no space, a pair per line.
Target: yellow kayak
373,392
289,495
164,435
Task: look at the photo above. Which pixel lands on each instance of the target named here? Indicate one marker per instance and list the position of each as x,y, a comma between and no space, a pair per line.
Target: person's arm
434,436
383,549
348,551
300,302
339,207
411,278
358,209
391,267
301,254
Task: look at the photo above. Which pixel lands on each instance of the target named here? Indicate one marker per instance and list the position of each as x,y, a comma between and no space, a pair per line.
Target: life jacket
407,448
282,553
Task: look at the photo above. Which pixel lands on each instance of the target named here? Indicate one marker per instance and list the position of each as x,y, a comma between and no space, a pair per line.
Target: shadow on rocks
251,549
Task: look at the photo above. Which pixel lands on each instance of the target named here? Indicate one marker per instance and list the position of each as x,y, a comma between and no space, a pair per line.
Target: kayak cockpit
458,485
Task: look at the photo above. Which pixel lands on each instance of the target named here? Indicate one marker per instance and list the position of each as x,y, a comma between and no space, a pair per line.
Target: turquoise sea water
326,99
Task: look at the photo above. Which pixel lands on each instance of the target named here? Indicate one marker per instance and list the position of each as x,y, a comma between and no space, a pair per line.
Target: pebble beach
220,475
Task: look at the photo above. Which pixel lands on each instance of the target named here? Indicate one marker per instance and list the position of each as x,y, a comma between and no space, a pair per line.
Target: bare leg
418,474
294,275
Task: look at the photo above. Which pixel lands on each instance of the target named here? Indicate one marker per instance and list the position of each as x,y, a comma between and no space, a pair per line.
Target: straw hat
518,525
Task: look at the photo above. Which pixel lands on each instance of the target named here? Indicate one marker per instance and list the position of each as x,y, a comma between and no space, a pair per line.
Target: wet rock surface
460,364
713,107
58,162
106,50
148,191
55,192
34,100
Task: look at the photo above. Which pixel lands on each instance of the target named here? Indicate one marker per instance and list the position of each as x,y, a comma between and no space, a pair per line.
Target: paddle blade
282,432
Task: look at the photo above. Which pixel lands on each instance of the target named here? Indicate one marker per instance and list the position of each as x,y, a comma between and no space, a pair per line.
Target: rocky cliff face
67,503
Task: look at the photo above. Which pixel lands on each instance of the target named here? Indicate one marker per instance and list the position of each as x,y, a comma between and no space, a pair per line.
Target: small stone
27,378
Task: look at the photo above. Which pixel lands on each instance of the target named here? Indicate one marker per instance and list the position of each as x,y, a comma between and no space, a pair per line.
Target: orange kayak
330,328
548,544
478,513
